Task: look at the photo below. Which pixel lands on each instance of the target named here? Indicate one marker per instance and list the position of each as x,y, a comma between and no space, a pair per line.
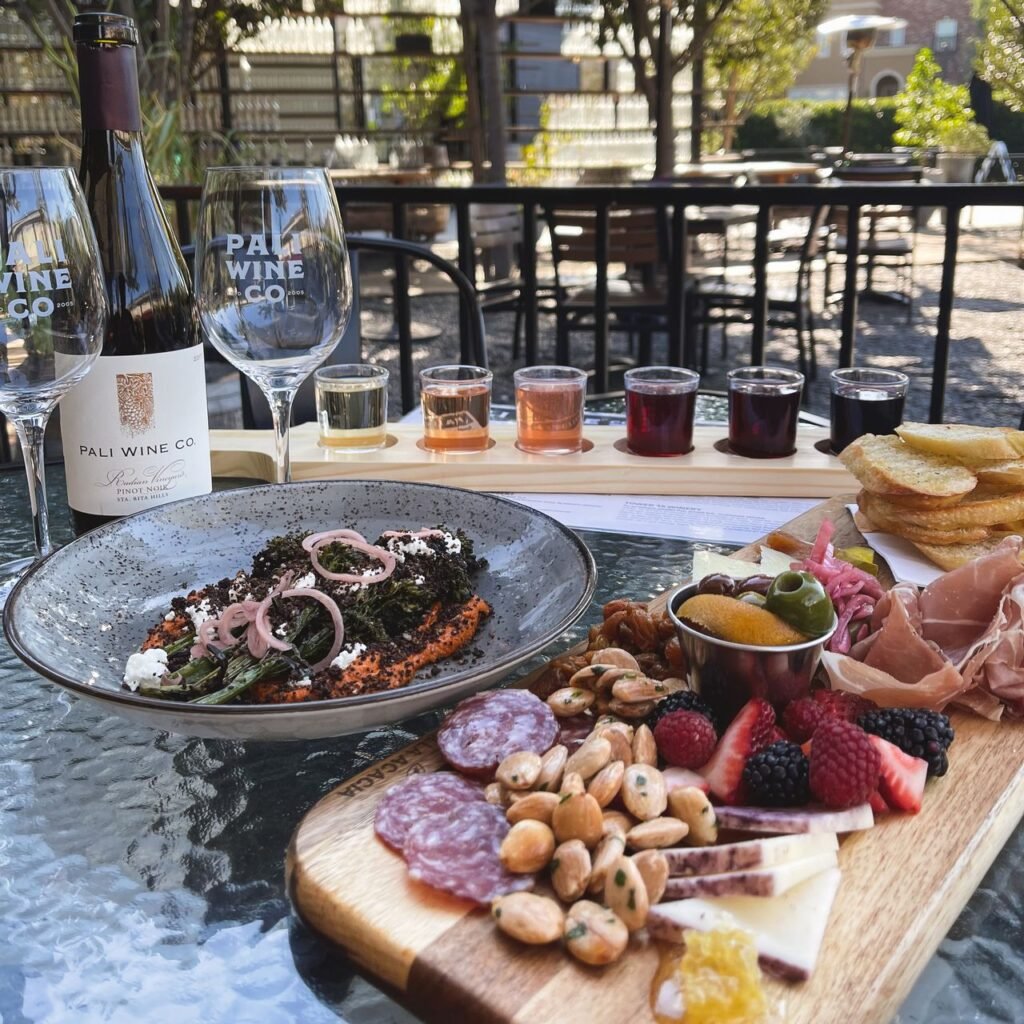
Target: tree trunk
491,93
729,111
664,127
474,116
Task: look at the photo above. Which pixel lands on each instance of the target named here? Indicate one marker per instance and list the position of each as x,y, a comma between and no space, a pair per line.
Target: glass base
10,573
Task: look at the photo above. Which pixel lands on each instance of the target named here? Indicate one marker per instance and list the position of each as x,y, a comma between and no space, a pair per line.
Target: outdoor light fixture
861,31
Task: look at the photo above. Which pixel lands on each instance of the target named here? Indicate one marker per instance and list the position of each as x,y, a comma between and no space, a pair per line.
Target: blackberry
681,700
777,776
923,734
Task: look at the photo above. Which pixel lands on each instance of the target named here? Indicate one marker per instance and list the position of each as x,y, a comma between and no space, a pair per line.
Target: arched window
888,83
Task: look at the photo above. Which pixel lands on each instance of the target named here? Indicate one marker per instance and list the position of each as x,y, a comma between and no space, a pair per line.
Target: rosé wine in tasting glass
549,409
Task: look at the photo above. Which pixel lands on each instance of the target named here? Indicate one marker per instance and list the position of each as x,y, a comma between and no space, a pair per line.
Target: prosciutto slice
995,661
900,650
934,690
958,608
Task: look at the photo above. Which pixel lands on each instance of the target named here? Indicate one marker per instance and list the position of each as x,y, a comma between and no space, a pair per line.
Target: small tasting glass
549,409
764,406
352,406
456,404
865,402
660,403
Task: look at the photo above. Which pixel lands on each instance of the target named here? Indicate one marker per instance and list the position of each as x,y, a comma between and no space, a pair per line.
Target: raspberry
844,764
685,738
847,706
777,776
681,700
916,731
801,718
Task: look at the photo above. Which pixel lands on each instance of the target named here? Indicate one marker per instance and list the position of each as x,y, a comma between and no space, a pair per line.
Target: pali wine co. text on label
266,267
30,277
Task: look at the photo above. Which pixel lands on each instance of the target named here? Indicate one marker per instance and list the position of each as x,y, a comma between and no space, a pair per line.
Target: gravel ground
986,359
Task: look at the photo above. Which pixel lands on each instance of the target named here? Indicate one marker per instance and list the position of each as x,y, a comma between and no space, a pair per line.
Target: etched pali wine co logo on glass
135,403
265,267
31,277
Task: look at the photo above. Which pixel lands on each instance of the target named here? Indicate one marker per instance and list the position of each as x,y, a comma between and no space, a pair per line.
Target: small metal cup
727,675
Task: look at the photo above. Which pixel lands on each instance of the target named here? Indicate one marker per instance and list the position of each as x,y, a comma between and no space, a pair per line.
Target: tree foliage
1000,56
933,113
755,53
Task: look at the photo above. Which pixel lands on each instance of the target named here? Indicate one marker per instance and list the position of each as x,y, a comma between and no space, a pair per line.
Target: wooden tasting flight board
606,468
904,882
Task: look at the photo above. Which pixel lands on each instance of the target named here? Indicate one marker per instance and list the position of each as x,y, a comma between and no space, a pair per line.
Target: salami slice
408,801
573,731
485,728
457,852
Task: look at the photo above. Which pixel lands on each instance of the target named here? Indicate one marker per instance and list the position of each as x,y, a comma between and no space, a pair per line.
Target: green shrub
799,124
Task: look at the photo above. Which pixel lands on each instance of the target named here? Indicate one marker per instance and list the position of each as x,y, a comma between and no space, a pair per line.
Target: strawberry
878,804
676,778
749,732
685,738
844,764
901,777
778,736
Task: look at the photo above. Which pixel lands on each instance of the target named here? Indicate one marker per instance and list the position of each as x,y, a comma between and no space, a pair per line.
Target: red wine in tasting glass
135,432
660,424
763,426
864,412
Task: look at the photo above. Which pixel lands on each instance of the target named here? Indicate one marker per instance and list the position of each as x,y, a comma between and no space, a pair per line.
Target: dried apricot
737,621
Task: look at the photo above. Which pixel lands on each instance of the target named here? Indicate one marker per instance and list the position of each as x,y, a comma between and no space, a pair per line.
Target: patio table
141,873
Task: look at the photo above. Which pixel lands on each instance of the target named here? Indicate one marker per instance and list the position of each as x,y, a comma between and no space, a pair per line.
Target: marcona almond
520,770
634,689
535,806
626,894
620,744
552,764
570,700
653,868
635,711
494,793
690,804
645,750
616,657
570,870
577,816
527,847
610,722
611,848
594,934
590,757
572,782
644,792
655,833
604,786
527,917
617,823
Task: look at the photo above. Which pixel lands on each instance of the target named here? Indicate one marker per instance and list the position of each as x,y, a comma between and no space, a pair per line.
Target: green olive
799,599
751,597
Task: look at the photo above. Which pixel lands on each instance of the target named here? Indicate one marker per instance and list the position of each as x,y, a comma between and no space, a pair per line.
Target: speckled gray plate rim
89,604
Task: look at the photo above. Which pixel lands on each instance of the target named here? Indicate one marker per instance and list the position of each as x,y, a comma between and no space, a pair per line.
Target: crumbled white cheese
235,590
419,580
304,681
308,582
170,616
282,629
199,613
144,667
347,655
453,544
369,573
416,546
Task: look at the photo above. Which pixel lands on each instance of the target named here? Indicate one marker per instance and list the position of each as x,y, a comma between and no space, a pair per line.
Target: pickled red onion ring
308,543
232,617
335,614
261,626
386,558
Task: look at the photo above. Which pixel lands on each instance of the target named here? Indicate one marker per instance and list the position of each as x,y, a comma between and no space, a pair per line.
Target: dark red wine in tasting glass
764,407
660,424
865,401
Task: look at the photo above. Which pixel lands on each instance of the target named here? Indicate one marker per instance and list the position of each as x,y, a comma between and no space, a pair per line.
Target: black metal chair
256,411
716,301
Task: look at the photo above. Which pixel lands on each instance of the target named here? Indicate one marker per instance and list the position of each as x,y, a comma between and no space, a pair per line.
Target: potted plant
960,145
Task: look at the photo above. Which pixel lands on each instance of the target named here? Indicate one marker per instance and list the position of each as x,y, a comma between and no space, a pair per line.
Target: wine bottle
135,431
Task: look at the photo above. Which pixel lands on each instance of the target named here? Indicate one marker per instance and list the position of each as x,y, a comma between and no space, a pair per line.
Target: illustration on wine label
135,402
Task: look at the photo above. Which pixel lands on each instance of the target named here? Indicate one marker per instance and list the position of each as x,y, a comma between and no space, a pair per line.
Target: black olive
755,584
717,583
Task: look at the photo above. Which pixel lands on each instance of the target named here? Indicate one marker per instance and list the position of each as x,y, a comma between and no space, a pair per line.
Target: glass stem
280,400
31,432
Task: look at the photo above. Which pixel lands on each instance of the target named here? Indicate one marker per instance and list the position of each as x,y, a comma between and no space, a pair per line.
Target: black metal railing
672,201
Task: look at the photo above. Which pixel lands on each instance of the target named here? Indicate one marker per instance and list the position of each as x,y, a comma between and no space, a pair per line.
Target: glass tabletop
141,873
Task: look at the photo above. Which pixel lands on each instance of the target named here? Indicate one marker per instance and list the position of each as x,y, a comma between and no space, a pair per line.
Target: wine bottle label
136,433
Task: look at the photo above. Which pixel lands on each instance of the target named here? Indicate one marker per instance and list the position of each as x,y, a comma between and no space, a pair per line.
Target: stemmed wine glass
53,315
272,278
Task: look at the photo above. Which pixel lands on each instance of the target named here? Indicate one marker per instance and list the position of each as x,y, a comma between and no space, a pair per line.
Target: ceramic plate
78,614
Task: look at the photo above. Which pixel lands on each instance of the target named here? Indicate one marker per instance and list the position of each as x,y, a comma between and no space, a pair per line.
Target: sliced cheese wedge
773,562
705,563
751,853
787,929
796,819
773,881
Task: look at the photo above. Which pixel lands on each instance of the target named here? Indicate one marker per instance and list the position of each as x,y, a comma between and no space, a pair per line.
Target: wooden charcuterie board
904,882
606,467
